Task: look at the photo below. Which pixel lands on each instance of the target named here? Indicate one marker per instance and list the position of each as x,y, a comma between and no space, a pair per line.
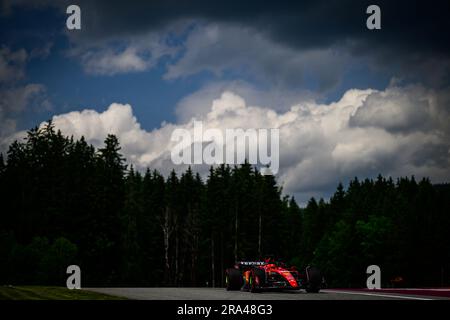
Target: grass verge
50,293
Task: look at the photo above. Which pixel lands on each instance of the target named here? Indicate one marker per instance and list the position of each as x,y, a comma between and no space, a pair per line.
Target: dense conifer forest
64,202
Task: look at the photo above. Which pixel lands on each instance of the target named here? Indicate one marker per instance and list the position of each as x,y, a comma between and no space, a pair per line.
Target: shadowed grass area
50,293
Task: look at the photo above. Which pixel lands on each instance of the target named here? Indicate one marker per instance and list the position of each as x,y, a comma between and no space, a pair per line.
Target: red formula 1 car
256,276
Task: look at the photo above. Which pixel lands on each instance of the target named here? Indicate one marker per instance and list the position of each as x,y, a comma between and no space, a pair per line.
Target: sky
348,101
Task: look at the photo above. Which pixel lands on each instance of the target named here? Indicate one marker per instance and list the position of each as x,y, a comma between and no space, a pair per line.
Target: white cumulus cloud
118,55
220,47
365,133
15,95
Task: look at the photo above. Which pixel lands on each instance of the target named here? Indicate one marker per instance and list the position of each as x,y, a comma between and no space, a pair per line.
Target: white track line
423,289
377,295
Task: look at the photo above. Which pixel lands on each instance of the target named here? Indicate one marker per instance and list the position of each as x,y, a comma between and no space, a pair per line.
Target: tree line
65,202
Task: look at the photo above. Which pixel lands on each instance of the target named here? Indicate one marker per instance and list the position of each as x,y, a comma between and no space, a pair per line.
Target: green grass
50,293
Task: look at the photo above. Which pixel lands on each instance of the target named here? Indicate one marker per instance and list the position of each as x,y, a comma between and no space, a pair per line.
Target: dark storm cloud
419,25
412,43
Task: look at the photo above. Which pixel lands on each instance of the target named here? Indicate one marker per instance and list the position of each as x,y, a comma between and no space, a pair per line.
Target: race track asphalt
222,294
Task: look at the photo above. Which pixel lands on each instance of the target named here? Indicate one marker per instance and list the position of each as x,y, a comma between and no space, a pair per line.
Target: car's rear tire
233,279
314,280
